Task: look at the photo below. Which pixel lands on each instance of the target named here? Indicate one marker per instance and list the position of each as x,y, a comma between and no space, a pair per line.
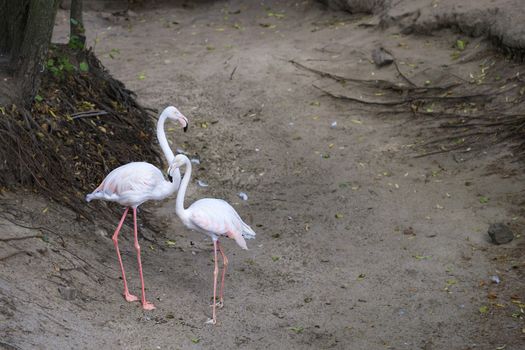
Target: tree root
82,125
487,109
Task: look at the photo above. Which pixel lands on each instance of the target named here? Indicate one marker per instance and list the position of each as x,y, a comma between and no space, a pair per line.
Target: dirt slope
359,244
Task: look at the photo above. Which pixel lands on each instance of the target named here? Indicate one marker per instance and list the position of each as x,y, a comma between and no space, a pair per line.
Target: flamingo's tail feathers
247,231
105,196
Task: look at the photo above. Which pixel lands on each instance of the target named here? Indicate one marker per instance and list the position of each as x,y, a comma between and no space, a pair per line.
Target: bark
13,18
26,28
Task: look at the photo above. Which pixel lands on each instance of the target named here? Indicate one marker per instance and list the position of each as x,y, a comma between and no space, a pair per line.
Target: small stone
131,14
495,279
409,231
67,293
106,15
500,233
381,57
102,232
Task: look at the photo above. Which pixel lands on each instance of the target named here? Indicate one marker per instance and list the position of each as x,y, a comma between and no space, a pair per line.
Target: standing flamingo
215,218
135,183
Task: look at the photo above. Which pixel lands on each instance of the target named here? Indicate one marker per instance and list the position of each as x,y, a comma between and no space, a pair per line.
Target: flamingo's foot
211,321
130,297
148,306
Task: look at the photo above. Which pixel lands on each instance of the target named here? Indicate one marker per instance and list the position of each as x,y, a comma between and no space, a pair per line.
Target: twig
443,150
405,78
379,103
233,72
87,114
451,137
19,238
14,254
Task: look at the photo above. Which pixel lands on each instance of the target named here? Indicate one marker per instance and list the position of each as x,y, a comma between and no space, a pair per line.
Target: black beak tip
185,128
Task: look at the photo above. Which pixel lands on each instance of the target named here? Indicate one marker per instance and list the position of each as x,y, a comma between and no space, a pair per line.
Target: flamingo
215,218
134,183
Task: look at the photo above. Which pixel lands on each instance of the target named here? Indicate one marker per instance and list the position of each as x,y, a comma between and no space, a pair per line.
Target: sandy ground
359,244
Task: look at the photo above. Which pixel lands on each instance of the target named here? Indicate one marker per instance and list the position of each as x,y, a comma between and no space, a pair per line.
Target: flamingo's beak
184,121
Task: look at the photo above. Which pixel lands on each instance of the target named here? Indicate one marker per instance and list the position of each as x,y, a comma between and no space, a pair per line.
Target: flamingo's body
213,217
135,183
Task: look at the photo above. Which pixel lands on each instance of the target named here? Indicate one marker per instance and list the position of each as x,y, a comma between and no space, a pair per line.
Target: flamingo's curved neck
179,206
163,142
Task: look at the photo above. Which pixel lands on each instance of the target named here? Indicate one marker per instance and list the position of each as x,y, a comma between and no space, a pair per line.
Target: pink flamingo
135,183
215,218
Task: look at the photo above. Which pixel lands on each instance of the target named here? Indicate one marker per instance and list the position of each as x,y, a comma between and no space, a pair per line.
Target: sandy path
331,266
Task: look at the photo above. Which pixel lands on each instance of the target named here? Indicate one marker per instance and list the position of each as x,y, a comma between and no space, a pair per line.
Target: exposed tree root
473,114
82,124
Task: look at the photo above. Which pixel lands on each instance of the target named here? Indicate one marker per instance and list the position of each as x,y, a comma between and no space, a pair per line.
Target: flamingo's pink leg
224,267
127,296
215,273
145,304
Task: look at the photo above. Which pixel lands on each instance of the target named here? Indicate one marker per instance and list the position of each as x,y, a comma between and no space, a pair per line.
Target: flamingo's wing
137,177
210,217
218,217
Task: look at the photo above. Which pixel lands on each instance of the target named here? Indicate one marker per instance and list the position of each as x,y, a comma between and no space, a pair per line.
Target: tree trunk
26,27
77,36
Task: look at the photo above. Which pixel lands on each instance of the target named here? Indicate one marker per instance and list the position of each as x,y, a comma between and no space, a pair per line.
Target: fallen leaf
460,44
170,243
492,295
484,309
276,14
267,25
483,199
339,216
297,329
361,276
421,257
195,340
355,121
275,258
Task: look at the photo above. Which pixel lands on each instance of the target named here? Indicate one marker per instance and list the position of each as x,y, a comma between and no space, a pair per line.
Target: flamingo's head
178,161
175,115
